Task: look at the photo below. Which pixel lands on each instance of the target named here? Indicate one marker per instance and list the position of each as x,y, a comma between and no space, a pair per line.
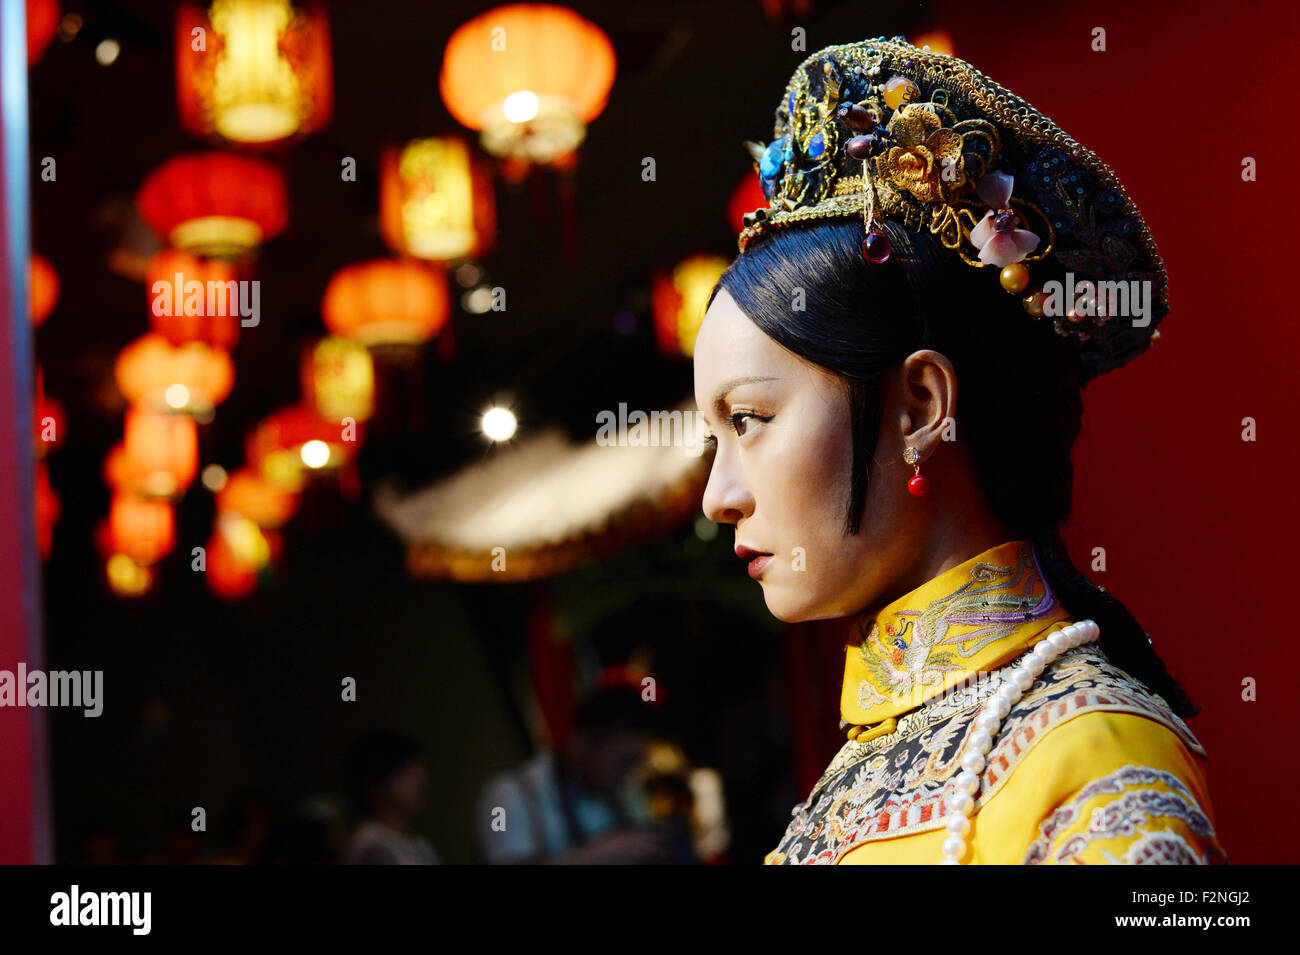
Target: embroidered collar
967,621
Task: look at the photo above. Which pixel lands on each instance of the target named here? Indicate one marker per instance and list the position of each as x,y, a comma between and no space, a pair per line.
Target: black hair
372,760
1019,391
617,708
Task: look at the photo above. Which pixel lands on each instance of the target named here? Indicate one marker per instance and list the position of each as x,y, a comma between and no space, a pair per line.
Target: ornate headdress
883,130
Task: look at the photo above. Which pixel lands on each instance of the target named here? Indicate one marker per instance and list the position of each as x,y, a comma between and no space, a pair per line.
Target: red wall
1199,526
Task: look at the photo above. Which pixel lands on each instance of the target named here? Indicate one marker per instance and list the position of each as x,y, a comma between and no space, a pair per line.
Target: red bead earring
918,486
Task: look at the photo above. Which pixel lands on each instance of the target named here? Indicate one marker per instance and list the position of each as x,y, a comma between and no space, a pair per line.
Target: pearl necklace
961,799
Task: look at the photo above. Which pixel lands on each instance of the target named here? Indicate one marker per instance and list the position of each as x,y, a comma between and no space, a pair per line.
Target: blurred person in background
388,780
583,803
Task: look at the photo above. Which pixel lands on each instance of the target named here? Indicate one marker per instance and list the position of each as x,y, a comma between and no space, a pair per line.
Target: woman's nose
726,499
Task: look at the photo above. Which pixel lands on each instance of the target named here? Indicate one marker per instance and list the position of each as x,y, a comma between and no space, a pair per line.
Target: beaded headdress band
883,130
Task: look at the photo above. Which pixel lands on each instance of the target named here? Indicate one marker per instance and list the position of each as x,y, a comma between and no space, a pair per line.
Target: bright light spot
478,300
107,51
315,454
176,396
705,529
521,106
126,577
214,477
499,424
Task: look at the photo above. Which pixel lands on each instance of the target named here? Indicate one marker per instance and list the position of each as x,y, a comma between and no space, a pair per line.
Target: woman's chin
785,606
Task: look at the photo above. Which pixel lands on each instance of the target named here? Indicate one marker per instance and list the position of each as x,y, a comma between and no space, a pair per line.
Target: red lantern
678,299
215,204
159,456
294,441
181,310
386,302
338,379
142,529
436,200
192,378
250,495
44,288
253,71
47,510
533,94
42,24
49,418
228,577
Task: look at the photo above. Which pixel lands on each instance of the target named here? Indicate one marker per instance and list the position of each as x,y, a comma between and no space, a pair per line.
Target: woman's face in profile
782,470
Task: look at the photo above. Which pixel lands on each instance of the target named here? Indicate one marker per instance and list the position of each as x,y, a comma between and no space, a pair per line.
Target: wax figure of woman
892,393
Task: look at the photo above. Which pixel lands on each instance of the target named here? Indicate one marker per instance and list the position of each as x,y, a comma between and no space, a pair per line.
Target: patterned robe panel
895,785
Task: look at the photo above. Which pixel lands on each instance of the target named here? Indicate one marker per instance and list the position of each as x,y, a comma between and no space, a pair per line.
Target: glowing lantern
159,456
191,378
126,578
142,529
247,494
338,379
435,200
747,197
228,576
44,288
214,204
192,299
530,77
258,72
295,441
938,41
47,510
49,418
42,24
678,300
386,302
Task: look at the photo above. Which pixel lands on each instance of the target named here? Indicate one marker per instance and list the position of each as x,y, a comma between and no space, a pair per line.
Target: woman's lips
757,559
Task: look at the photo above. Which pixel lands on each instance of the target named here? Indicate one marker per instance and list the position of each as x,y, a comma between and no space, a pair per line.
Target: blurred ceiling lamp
259,72
140,528
192,378
530,77
126,578
44,288
42,24
678,300
47,510
214,204
171,269
543,505
294,441
249,495
937,41
436,200
747,196
338,379
386,302
158,458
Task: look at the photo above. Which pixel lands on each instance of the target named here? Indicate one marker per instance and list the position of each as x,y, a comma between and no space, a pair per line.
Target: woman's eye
738,421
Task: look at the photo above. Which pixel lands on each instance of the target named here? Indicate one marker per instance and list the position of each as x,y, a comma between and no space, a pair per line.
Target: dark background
206,699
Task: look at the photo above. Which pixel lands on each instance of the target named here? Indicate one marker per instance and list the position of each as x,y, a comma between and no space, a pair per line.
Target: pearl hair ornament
960,800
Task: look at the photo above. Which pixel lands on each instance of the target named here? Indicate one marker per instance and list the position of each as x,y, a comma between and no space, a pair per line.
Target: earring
918,486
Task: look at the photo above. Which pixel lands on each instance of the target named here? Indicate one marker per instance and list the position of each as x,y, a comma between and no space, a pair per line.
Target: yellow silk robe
1089,766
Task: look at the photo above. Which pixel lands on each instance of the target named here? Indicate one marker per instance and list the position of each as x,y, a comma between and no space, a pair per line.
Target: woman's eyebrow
724,389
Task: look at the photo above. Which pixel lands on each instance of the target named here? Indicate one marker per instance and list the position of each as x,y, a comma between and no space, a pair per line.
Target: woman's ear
927,397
